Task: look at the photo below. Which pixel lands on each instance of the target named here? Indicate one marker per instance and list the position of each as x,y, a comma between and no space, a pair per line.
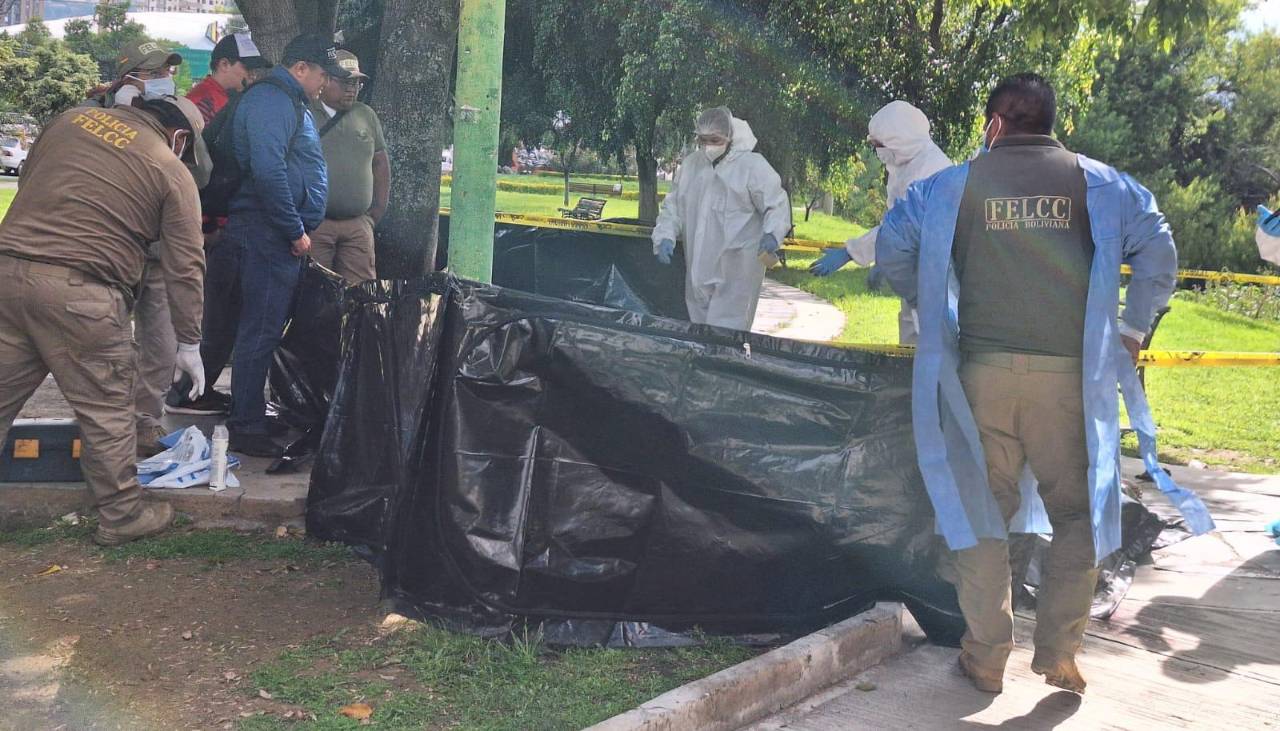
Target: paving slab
1192,646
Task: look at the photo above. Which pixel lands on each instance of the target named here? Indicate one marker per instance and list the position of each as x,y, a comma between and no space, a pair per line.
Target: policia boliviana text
99,186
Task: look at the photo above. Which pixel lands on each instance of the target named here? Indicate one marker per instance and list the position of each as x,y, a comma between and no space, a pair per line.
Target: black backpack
226,178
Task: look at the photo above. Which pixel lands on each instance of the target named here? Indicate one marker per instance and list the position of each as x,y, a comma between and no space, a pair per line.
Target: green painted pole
478,100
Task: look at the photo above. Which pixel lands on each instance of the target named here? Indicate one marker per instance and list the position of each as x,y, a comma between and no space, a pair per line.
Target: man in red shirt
233,65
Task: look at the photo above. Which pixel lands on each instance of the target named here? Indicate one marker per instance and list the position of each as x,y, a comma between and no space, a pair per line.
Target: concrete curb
760,687
262,501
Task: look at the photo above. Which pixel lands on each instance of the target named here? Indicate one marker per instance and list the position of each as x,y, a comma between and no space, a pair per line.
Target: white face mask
713,152
152,89
179,146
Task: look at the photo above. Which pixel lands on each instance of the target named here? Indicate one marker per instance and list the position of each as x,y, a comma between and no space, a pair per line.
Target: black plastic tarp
510,457
588,266
580,266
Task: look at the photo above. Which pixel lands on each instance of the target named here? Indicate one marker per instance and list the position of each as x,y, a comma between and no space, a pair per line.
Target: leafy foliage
40,75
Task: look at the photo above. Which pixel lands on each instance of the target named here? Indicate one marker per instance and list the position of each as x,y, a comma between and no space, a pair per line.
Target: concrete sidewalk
1194,645
787,312
262,500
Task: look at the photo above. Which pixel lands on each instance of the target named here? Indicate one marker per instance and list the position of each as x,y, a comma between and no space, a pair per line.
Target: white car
13,155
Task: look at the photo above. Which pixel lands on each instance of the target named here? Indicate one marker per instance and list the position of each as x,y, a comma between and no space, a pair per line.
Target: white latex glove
188,362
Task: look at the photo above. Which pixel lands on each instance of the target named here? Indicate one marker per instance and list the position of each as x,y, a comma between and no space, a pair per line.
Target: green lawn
1228,417
869,317
819,227
6,197
1220,416
429,678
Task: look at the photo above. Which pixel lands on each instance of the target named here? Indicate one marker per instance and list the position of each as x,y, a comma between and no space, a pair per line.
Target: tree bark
276,22
412,99
647,172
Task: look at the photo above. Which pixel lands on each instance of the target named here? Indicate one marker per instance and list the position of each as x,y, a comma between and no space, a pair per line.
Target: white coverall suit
909,154
721,212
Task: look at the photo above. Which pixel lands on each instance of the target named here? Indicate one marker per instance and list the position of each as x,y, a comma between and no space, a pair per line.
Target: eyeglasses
163,72
355,84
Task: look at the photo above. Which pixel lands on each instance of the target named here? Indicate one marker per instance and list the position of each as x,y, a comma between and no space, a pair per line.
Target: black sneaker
254,445
211,403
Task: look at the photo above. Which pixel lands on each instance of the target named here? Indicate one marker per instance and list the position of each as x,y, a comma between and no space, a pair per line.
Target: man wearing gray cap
359,176
70,273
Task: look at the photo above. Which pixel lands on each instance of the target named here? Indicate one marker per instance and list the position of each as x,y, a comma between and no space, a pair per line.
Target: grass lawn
1227,417
819,227
870,317
282,675
6,197
1221,416
428,678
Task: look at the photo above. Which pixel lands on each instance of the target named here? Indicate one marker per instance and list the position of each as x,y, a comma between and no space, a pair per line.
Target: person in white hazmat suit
728,206
900,135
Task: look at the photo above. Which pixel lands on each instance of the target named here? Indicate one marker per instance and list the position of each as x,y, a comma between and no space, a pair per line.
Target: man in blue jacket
281,199
1013,263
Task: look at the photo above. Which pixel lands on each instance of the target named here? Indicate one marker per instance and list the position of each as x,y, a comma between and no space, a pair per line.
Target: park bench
588,209
596,189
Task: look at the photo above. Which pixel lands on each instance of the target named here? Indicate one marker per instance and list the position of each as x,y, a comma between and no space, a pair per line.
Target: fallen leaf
358,711
55,568
865,686
152,565
282,532
387,677
187,635
230,676
265,695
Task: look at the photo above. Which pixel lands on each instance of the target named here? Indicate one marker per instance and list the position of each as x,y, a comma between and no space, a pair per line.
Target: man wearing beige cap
143,69
359,175
69,274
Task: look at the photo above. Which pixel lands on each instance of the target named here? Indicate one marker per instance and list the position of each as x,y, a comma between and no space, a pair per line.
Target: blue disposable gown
914,250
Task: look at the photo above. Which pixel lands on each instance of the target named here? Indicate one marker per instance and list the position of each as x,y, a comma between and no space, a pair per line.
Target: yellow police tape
1151,358
1265,279
808,245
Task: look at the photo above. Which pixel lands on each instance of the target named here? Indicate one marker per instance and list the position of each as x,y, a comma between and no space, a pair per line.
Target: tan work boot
984,681
149,442
155,517
1060,673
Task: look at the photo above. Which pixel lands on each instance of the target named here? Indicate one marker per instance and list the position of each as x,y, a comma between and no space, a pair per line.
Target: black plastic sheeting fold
579,266
510,458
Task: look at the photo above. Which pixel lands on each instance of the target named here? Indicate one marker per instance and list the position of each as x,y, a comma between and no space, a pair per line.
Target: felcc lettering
1041,211
106,128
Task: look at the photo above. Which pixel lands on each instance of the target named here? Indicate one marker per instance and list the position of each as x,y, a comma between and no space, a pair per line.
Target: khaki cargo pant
1029,409
55,320
157,345
346,247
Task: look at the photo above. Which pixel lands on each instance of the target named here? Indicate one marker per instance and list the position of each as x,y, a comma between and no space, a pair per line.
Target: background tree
40,75
102,39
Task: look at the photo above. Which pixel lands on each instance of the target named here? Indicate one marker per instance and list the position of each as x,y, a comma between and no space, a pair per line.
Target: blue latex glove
875,280
1271,227
666,248
830,262
1273,530
768,244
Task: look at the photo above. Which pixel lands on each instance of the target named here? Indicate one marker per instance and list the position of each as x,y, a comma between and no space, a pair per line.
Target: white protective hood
904,132
911,156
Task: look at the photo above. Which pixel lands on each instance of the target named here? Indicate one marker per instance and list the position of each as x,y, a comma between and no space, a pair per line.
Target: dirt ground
177,652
